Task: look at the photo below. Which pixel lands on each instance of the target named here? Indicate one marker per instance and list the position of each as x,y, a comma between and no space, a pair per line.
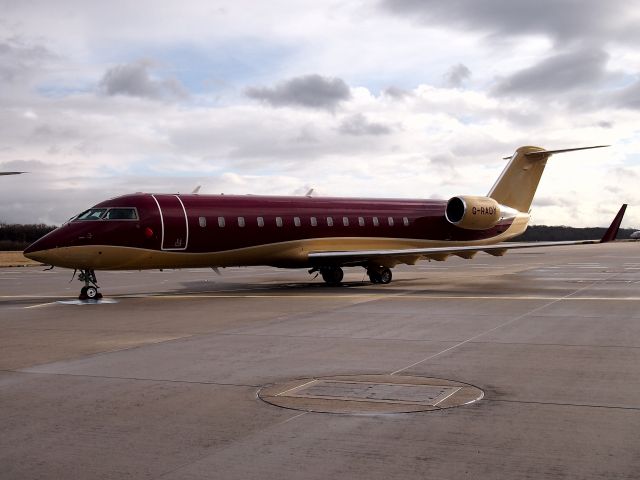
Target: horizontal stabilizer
541,153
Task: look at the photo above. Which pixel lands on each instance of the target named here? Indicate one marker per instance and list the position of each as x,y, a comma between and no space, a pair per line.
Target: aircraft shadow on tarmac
476,286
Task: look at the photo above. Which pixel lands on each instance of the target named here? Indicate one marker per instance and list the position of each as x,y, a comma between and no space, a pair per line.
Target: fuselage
142,230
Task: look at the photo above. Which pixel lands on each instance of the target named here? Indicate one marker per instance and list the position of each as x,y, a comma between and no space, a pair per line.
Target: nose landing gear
90,289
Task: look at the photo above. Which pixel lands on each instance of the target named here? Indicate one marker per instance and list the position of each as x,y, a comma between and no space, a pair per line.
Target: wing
390,258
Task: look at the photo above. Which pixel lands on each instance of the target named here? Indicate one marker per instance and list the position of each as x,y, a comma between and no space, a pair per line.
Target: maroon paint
426,222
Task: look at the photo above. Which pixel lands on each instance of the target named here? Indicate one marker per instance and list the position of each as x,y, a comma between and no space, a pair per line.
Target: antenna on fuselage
196,190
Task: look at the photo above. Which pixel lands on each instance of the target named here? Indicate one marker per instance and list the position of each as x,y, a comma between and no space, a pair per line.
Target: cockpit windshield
107,214
92,214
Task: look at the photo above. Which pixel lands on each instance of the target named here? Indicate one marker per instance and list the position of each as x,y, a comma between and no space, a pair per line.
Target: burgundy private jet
156,231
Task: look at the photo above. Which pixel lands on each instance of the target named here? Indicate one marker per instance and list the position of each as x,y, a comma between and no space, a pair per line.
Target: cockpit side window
91,214
121,214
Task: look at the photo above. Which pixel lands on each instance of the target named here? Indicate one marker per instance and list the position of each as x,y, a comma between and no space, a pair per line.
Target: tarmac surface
162,379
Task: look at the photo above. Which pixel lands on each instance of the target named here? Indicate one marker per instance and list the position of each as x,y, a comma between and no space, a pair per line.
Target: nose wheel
90,290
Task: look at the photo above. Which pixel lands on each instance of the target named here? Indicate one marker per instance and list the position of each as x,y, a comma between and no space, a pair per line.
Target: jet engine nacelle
475,213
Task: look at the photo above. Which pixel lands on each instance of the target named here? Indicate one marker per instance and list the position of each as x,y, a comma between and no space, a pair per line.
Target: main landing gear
333,275
90,289
379,275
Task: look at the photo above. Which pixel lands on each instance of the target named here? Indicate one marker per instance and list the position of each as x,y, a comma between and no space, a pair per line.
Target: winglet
612,231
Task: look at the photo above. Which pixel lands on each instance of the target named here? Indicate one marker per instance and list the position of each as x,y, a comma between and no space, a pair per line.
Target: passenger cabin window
92,214
390,220
260,221
202,221
314,221
405,221
296,221
241,222
121,214
329,221
345,221
221,222
361,221
278,221
376,222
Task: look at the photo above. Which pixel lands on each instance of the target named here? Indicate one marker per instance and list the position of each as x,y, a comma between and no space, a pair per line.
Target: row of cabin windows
313,221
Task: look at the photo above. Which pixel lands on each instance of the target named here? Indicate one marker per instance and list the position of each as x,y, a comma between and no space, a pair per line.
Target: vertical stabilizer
519,180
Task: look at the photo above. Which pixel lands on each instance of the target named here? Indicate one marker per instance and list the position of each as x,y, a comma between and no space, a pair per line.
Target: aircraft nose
41,249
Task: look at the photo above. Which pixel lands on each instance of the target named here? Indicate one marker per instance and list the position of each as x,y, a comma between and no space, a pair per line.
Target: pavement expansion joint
370,394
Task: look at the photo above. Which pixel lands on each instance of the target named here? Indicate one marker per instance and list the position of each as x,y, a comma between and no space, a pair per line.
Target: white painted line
515,319
447,396
293,418
298,387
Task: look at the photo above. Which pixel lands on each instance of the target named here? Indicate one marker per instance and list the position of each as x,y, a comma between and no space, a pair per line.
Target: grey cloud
311,91
135,80
456,75
559,19
628,97
359,125
397,93
23,165
557,201
559,73
624,173
19,59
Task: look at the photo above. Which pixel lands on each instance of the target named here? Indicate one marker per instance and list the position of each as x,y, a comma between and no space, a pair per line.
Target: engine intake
473,213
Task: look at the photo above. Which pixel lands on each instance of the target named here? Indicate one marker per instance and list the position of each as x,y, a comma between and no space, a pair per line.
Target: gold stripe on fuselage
288,254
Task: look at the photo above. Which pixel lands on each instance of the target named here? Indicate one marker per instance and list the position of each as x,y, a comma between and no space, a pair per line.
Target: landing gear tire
92,293
385,276
90,290
380,275
332,275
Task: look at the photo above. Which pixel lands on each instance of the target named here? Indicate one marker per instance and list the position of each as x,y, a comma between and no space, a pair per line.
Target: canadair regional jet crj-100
155,231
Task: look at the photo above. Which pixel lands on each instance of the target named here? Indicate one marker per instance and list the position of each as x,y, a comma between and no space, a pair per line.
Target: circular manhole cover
370,394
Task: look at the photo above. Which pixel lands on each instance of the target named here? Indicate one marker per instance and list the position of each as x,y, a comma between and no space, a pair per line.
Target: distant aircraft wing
410,256
11,173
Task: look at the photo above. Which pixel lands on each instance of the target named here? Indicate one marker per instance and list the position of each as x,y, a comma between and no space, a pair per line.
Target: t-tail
518,182
509,199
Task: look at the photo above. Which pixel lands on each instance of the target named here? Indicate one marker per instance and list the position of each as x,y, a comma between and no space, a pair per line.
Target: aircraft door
175,226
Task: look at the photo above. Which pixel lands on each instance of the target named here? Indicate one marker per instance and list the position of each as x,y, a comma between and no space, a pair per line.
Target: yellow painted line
30,296
389,297
40,305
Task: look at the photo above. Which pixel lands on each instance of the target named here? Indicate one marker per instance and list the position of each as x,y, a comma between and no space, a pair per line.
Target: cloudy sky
382,98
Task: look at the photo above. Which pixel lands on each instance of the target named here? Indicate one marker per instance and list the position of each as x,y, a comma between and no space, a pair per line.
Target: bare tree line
18,237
